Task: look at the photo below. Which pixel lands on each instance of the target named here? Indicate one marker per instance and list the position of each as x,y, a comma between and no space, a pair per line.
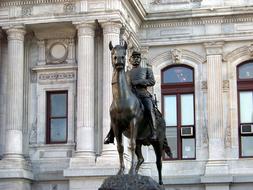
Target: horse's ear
125,45
110,46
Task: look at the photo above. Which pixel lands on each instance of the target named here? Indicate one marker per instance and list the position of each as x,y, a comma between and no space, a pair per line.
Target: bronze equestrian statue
131,107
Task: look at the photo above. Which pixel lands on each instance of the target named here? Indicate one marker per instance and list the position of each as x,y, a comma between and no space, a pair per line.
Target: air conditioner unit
247,129
187,131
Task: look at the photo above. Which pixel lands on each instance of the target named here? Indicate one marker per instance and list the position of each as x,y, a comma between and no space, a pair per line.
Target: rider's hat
136,53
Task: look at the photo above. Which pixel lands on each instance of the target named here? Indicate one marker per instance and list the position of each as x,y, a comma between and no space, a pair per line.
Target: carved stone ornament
228,137
204,85
176,56
26,10
69,7
250,49
57,53
225,85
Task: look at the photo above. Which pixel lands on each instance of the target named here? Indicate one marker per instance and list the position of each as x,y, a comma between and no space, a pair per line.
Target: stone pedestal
130,182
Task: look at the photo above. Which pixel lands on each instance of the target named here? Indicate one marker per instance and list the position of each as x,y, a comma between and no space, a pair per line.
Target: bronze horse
128,117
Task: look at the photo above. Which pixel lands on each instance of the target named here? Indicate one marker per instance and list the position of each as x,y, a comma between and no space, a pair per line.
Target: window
245,100
57,117
178,108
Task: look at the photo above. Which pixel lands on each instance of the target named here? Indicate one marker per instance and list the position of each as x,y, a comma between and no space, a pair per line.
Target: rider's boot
154,127
109,138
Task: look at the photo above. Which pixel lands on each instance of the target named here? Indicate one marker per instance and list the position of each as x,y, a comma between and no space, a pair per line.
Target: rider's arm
149,81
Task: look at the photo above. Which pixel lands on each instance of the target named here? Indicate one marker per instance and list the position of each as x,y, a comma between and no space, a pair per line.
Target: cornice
7,3
139,8
199,21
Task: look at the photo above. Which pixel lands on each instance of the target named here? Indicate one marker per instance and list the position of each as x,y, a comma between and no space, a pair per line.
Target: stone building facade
55,90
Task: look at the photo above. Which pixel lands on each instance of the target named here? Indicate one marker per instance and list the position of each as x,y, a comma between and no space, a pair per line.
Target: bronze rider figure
140,78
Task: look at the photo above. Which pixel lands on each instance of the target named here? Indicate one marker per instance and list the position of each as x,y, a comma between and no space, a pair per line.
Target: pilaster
216,164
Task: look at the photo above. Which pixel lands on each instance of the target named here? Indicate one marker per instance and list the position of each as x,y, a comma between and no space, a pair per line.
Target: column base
83,159
17,184
217,186
216,167
15,173
91,177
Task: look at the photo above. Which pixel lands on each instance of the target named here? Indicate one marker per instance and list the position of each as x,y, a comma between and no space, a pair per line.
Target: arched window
178,108
245,101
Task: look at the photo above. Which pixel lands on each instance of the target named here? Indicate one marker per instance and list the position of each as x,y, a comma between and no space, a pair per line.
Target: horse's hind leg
158,152
139,156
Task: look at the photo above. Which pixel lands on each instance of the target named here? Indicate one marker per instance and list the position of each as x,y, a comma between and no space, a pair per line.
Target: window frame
179,89
49,117
243,85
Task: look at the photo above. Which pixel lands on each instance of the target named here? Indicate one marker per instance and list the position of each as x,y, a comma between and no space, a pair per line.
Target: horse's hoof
160,183
120,172
132,172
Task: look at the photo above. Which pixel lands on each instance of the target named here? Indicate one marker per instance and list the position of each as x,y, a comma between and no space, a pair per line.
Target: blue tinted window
178,74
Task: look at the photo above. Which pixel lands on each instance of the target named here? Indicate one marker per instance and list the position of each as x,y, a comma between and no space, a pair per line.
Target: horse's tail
162,130
166,148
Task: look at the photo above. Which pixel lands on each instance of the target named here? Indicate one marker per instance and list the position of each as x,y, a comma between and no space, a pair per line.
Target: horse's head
118,55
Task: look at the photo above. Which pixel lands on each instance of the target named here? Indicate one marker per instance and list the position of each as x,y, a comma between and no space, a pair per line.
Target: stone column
111,32
215,109
14,109
85,91
2,130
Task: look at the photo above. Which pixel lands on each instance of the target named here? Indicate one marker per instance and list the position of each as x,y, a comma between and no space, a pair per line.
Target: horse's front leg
120,148
133,145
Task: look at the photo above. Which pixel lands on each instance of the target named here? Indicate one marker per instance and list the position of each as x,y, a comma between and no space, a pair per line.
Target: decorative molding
239,53
6,3
176,56
214,48
199,21
186,55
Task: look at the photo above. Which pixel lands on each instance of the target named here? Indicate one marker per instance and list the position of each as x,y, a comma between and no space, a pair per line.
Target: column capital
214,48
86,29
16,33
111,27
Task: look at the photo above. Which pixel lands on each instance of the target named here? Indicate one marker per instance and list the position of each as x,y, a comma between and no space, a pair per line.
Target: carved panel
56,76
